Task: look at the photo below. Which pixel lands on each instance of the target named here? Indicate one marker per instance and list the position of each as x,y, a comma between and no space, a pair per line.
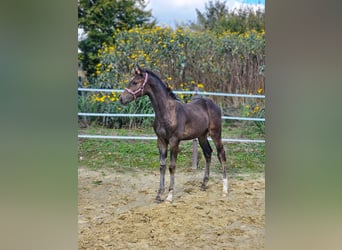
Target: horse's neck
161,101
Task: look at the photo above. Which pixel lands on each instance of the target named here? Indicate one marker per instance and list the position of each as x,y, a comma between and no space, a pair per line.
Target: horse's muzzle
125,99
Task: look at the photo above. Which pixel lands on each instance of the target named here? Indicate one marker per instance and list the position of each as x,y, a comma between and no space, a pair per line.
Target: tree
213,15
100,19
218,18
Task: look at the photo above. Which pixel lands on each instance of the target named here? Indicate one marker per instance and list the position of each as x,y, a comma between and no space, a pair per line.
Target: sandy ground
116,210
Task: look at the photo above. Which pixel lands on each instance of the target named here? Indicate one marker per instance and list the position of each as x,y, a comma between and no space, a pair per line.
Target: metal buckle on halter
139,89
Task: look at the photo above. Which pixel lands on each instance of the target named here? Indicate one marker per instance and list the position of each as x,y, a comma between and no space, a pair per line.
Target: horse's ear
138,70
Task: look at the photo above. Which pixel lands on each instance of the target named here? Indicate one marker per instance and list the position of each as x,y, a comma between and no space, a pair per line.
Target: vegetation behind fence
227,62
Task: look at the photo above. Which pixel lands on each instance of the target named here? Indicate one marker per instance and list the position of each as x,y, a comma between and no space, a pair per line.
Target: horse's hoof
170,197
169,201
158,200
203,188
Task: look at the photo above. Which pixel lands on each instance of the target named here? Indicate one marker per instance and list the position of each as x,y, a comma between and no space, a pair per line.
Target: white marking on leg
225,186
170,196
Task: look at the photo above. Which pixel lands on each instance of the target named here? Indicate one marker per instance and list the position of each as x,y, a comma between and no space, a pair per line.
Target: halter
139,89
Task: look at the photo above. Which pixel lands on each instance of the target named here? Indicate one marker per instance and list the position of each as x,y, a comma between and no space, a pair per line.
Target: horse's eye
134,83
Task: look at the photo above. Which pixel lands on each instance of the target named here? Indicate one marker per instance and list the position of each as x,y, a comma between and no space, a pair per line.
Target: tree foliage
218,18
100,19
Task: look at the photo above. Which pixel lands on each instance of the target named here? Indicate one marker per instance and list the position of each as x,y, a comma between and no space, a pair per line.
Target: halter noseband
139,89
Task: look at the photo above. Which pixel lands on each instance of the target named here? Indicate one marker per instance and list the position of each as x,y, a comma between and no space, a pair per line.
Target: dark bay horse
176,121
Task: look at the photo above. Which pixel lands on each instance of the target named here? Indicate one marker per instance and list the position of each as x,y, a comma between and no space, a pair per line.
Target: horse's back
209,105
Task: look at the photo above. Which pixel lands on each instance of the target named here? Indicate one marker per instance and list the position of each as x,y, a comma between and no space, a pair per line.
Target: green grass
143,154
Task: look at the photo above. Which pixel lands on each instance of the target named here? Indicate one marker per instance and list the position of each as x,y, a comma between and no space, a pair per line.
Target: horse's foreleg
172,168
162,155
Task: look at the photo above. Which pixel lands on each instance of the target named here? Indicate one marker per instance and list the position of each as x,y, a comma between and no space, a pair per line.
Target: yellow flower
169,78
256,109
200,85
260,90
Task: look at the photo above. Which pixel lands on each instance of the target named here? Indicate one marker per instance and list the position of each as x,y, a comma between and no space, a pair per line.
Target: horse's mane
166,86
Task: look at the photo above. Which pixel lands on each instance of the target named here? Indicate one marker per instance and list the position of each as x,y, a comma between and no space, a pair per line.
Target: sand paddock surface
116,210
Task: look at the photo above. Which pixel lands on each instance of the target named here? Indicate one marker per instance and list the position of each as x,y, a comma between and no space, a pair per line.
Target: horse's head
135,87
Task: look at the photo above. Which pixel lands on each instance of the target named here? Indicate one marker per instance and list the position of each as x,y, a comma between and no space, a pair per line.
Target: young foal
176,121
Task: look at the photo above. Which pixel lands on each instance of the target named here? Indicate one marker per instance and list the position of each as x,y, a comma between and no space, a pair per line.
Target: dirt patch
117,211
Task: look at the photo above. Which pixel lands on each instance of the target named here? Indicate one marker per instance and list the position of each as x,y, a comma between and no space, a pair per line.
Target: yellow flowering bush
184,59
255,107
227,62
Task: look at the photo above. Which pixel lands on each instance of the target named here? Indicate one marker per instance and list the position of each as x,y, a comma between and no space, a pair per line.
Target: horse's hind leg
207,151
216,136
215,130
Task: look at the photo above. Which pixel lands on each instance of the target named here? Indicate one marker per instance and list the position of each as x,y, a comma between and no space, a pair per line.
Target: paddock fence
196,92
195,142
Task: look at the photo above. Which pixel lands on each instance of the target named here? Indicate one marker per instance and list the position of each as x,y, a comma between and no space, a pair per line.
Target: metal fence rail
152,115
181,92
154,138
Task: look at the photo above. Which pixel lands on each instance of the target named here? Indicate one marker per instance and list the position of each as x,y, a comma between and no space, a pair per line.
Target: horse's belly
192,132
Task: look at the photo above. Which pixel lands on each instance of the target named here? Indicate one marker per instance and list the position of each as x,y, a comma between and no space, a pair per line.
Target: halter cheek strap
134,93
